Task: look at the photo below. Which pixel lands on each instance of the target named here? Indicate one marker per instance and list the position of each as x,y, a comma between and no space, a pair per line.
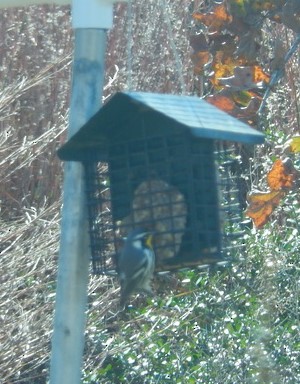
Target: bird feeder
164,163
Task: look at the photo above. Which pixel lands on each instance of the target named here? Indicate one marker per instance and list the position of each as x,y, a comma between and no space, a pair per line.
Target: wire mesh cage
151,171
184,191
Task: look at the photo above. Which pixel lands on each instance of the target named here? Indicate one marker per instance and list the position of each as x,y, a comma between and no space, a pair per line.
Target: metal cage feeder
164,163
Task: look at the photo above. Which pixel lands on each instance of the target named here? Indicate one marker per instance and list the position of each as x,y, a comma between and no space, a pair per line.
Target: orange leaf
281,175
244,78
220,70
222,102
259,75
214,20
200,59
261,206
225,56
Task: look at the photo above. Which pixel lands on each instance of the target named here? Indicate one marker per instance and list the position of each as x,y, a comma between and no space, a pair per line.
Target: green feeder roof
126,113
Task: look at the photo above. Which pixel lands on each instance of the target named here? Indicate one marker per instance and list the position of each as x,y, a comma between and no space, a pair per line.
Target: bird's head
140,238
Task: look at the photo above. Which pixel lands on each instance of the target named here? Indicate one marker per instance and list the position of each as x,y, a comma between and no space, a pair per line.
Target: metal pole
71,297
91,19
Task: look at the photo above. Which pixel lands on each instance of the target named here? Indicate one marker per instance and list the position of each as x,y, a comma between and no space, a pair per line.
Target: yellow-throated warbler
136,264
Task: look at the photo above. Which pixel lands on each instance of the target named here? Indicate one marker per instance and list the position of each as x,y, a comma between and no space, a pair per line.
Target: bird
136,264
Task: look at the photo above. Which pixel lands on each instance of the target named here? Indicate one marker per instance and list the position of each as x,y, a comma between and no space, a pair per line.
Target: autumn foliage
281,179
227,52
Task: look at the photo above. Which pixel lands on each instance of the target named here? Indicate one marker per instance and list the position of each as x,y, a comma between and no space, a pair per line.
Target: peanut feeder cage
163,163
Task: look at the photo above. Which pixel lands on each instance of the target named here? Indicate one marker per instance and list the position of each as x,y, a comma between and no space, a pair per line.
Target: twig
278,74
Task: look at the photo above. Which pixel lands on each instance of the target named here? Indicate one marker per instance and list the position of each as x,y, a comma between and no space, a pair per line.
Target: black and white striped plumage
136,264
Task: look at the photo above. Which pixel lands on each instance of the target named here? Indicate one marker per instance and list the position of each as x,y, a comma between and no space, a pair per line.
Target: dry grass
36,57
29,258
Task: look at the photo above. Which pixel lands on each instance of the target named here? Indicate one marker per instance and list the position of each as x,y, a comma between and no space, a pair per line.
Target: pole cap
93,14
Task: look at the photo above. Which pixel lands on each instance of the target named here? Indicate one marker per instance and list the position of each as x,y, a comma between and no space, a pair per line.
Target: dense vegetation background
236,325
